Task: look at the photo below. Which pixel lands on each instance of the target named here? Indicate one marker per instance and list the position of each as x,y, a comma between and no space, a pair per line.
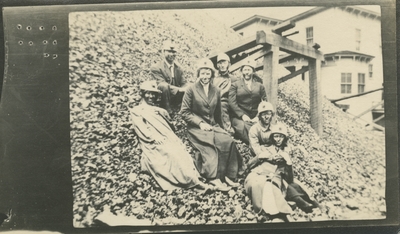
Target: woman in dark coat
218,158
245,95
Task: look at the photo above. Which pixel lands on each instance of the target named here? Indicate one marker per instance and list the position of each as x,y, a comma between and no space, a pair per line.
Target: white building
350,38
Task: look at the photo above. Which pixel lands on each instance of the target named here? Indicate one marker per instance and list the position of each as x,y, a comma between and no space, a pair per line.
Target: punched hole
19,26
55,42
41,28
30,43
55,56
20,42
28,28
46,55
54,28
45,42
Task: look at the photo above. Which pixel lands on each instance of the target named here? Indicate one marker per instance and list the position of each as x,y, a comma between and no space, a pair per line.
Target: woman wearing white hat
218,158
271,184
164,155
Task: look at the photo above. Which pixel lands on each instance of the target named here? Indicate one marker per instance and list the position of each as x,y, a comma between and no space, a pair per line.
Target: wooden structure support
379,118
315,95
279,28
288,45
355,95
292,75
255,56
268,46
369,109
270,74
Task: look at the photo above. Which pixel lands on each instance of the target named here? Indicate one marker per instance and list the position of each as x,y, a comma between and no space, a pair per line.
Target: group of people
217,108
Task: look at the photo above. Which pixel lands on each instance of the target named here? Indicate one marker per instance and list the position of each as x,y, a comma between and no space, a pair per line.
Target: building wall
335,30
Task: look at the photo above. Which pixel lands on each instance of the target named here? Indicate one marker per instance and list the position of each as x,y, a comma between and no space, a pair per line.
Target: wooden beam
279,28
355,95
288,45
270,75
315,95
292,75
254,56
283,59
379,118
240,46
290,34
368,110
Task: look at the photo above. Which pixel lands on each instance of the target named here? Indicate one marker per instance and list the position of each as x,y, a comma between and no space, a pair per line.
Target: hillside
111,53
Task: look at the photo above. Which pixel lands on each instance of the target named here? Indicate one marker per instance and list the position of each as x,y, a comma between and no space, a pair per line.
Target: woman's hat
279,128
150,85
250,63
265,106
223,56
205,63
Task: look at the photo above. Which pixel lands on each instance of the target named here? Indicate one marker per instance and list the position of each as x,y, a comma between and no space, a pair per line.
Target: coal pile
111,54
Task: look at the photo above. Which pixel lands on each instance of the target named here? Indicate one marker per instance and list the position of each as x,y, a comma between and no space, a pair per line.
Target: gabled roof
255,18
348,53
350,9
306,14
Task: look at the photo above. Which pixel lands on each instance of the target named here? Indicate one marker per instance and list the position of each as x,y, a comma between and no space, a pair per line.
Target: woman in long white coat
164,155
270,184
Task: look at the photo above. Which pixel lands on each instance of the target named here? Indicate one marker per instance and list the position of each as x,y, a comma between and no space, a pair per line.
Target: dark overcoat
218,156
244,101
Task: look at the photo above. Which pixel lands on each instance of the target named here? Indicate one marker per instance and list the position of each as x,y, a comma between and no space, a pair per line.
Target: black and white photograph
227,116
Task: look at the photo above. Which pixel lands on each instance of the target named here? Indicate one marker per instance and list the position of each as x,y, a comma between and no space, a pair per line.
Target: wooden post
315,95
270,75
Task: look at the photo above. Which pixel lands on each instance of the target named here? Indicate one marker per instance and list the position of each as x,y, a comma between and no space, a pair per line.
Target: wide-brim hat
150,85
279,128
265,106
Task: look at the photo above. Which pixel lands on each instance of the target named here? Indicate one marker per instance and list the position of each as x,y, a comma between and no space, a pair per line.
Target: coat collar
211,91
245,86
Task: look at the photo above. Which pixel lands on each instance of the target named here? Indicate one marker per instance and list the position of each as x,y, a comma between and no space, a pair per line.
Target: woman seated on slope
218,159
270,184
164,155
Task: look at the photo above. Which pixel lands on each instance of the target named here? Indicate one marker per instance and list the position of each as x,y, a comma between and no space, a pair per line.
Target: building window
370,70
358,39
345,85
310,36
361,82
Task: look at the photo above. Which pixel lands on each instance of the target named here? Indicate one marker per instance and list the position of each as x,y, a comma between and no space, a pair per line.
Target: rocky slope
111,53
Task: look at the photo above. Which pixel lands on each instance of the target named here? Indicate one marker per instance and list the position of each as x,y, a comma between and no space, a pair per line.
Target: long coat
267,183
218,156
169,162
161,73
168,84
244,101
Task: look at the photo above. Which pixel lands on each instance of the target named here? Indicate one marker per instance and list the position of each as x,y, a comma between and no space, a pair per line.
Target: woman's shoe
203,188
303,205
218,185
231,183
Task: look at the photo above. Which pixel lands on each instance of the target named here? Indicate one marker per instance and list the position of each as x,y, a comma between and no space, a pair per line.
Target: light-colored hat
150,85
205,63
169,45
250,63
223,56
265,106
279,128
